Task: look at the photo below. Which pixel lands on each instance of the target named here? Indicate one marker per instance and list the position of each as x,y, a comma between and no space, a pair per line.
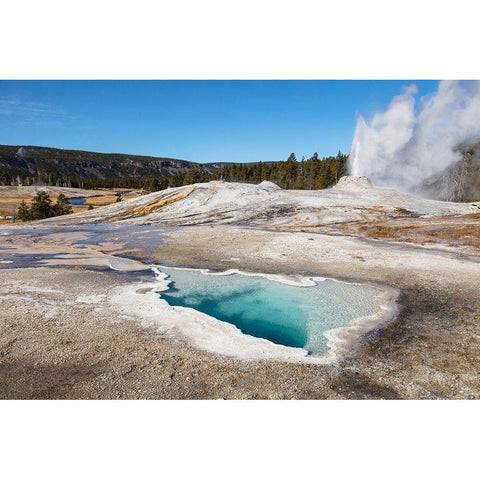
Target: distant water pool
294,316
77,200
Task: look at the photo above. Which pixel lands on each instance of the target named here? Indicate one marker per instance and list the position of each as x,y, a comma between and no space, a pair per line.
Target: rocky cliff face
459,183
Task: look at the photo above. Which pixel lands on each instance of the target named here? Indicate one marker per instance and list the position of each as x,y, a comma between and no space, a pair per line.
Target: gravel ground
61,338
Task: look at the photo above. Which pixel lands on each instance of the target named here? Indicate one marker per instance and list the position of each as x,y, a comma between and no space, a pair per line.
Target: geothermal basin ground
82,308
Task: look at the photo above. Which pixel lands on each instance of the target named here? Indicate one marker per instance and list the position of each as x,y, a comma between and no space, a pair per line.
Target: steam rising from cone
412,142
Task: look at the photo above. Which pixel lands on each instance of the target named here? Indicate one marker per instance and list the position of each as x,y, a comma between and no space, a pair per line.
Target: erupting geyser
407,147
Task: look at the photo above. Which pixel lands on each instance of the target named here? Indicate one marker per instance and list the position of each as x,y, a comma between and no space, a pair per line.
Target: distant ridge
47,164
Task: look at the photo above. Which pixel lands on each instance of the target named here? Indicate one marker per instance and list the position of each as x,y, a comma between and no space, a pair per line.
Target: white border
239,440
256,39
217,39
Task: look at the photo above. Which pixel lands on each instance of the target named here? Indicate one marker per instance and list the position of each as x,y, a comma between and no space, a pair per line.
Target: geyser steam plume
407,147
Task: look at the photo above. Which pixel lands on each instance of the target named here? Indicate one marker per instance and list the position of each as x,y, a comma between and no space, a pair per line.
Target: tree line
311,174
73,181
308,174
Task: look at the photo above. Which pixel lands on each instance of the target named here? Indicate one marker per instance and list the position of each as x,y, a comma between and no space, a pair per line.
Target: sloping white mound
269,185
267,204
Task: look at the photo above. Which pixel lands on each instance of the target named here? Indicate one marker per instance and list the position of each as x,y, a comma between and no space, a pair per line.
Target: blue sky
202,121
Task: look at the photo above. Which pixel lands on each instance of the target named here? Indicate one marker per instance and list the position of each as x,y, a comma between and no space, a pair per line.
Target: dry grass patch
454,231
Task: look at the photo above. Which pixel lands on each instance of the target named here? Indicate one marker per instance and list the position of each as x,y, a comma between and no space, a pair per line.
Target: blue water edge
294,316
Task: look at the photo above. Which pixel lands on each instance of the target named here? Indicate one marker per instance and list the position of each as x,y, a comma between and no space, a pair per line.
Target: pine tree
23,212
62,207
154,185
42,206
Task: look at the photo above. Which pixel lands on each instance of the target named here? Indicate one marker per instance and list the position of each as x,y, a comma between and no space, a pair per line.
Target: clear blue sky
202,121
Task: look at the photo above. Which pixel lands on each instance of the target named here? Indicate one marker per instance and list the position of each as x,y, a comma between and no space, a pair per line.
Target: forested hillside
74,168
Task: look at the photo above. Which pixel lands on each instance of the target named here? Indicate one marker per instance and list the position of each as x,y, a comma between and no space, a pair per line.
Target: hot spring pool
289,315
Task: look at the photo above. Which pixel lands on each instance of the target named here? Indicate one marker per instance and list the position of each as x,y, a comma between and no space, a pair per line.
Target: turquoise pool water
294,316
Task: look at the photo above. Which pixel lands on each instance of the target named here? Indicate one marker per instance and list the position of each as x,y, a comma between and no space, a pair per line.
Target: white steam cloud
403,148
